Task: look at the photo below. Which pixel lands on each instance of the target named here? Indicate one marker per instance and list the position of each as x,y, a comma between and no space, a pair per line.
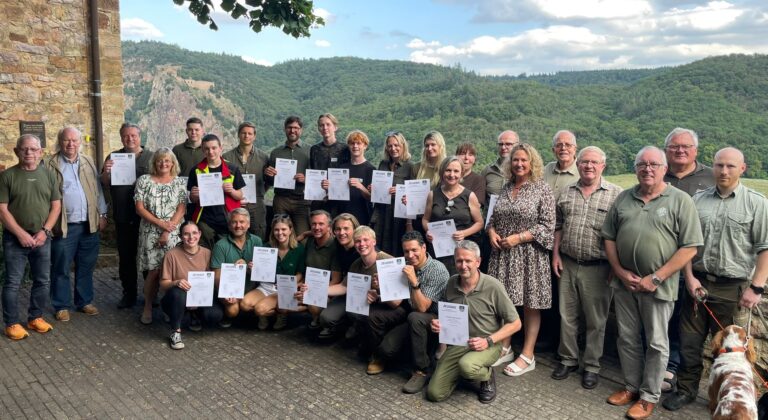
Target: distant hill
725,99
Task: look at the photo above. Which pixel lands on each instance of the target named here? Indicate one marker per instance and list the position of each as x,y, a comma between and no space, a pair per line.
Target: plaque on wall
36,128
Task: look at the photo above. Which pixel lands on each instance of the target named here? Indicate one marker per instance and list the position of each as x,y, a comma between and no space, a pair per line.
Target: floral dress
161,200
525,269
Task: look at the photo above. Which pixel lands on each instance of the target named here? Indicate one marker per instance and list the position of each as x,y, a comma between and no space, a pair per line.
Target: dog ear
751,353
717,343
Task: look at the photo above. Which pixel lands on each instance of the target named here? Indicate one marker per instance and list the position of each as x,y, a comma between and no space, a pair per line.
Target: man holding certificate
235,248
290,201
491,317
213,196
124,210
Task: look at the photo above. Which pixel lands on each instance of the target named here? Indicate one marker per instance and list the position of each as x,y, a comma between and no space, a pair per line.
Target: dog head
733,338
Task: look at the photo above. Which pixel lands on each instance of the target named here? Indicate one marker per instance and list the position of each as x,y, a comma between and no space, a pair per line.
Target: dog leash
701,297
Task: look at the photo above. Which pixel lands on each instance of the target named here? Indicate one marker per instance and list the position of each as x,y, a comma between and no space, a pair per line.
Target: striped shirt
580,220
433,277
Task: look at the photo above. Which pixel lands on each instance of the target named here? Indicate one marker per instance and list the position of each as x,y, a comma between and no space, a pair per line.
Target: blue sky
487,36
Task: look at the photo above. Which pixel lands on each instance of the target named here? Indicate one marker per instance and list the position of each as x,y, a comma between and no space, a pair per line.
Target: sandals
513,369
507,355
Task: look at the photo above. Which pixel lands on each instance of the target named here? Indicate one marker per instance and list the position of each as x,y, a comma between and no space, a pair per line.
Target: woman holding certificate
521,233
451,201
397,159
160,199
177,264
290,261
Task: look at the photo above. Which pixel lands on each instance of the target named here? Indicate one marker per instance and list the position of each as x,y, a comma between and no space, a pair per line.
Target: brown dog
731,384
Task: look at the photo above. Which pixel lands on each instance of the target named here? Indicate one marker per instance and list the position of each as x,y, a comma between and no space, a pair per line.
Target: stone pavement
111,366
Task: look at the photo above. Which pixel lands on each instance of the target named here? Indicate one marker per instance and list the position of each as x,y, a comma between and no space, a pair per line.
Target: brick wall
45,70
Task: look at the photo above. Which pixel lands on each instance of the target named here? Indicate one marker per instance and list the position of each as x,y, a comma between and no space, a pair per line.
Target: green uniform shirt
489,304
293,262
254,164
558,179
226,252
359,267
188,156
735,230
29,195
300,154
494,179
322,257
647,235
700,179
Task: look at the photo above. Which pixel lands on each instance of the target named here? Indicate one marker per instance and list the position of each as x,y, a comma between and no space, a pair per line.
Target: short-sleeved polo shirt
489,304
322,256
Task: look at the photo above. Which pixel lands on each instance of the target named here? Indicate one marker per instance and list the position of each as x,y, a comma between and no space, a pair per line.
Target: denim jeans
79,246
16,258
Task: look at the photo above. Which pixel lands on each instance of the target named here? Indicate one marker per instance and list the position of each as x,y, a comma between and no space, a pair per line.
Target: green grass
628,180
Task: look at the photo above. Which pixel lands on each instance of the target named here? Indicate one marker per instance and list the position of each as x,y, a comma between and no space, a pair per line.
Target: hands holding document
452,324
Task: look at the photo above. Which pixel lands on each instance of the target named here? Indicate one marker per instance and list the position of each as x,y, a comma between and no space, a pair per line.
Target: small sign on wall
36,128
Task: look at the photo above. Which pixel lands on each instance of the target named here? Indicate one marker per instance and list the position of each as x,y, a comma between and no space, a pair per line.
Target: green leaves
293,17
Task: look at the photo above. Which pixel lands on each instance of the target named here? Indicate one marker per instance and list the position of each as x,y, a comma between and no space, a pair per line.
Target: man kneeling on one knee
492,317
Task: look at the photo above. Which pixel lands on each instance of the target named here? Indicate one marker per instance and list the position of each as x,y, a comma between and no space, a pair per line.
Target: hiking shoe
89,309
16,332
195,324
263,323
225,323
326,333
375,367
416,383
175,340
62,315
126,303
39,325
281,321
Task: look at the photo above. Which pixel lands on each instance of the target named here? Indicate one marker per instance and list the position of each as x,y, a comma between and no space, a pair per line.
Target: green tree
293,17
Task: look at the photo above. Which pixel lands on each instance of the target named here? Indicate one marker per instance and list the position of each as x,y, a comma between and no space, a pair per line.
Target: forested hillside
725,99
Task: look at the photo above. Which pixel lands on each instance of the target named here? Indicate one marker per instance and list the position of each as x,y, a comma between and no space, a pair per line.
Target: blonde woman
432,155
397,159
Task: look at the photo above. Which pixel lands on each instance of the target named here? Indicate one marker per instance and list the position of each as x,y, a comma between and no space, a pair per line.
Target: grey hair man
493,173
651,232
76,234
579,263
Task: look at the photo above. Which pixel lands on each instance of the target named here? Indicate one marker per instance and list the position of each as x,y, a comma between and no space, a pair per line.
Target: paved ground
111,366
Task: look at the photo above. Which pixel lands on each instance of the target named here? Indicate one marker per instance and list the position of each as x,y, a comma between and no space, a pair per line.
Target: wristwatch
757,289
48,232
489,340
656,280
417,285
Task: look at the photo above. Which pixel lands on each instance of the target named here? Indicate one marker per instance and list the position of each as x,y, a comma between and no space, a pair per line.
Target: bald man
494,176
734,222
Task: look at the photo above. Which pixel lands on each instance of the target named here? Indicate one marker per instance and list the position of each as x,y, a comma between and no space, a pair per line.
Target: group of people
526,235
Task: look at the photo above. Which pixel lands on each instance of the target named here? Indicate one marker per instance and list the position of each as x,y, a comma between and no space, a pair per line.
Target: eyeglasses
564,146
681,147
448,206
502,144
646,165
280,216
590,162
29,150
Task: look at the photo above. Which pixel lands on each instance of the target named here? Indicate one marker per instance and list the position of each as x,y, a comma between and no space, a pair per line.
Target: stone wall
45,70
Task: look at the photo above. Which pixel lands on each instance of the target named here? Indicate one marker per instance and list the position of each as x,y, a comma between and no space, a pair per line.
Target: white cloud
322,43
715,15
416,43
135,28
254,60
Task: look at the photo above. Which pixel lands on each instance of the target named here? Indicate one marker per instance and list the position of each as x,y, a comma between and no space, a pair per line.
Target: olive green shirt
322,257
253,164
494,179
300,154
359,266
558,179
700,179
735,230
489,304
188,156
29,195
647,235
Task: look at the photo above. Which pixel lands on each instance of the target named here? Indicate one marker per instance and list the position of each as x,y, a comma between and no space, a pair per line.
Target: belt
716,279
586,262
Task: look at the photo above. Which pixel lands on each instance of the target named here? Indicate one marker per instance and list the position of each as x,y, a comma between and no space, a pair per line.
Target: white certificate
286,170
211,193
313,189
123,170
201,290
317,281
232,281
249,191
380,185
286,289
393,283
264,264
491,206
401,211
358,286
417,191
338,184
442,237
454,323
